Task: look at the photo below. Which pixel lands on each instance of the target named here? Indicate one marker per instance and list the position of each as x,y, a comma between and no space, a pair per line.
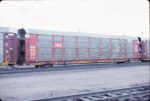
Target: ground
39,85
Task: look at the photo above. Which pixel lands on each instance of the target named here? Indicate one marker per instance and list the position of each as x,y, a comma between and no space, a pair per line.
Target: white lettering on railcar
32,52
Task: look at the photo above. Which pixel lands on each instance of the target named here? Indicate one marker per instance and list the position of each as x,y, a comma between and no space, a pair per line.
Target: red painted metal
11,48
31,48
144,49
136,49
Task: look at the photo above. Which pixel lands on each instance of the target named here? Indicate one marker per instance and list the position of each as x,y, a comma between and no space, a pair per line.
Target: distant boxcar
9,48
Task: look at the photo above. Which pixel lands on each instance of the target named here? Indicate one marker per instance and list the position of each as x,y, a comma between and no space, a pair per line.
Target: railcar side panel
130,49
148,49
44,48
9,49
31,48
56,48
106,46
145,49
70,48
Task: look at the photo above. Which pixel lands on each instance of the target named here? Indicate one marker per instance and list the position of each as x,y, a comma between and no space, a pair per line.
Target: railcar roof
8,29
65,33
82,34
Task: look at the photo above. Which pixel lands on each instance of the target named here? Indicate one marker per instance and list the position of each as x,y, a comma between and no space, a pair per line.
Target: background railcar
9,49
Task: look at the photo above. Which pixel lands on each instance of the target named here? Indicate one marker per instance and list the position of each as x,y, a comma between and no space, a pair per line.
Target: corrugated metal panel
44,55
144,49
70,54
106,44
123,55
115,49
106,53
148,49
58,53
83,40
70,42
130,49
69,39
69,45
123,48
44,44
44,41
44,48
94,43
83,45
95,53
83,53
58,38
106,48
44,38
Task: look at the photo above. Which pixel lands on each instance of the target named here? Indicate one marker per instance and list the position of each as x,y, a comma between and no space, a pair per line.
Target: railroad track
139,93
68,67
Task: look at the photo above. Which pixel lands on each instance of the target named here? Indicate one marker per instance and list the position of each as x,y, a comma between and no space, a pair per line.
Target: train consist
41,47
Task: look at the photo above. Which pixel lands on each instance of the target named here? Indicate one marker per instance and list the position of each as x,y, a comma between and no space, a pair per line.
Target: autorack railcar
41,47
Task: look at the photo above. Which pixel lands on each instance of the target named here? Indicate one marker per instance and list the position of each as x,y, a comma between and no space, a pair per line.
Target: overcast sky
110,17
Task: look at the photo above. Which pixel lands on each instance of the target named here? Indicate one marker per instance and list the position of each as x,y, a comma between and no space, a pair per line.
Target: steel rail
116,94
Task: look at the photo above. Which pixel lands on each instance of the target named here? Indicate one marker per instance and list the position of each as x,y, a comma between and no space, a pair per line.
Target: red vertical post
33,48
136,48
37,48
53,49
111,48
89,43
63,50
77,49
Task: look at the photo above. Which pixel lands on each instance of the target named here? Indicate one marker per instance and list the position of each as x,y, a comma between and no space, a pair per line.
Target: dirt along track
28,69
62,82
